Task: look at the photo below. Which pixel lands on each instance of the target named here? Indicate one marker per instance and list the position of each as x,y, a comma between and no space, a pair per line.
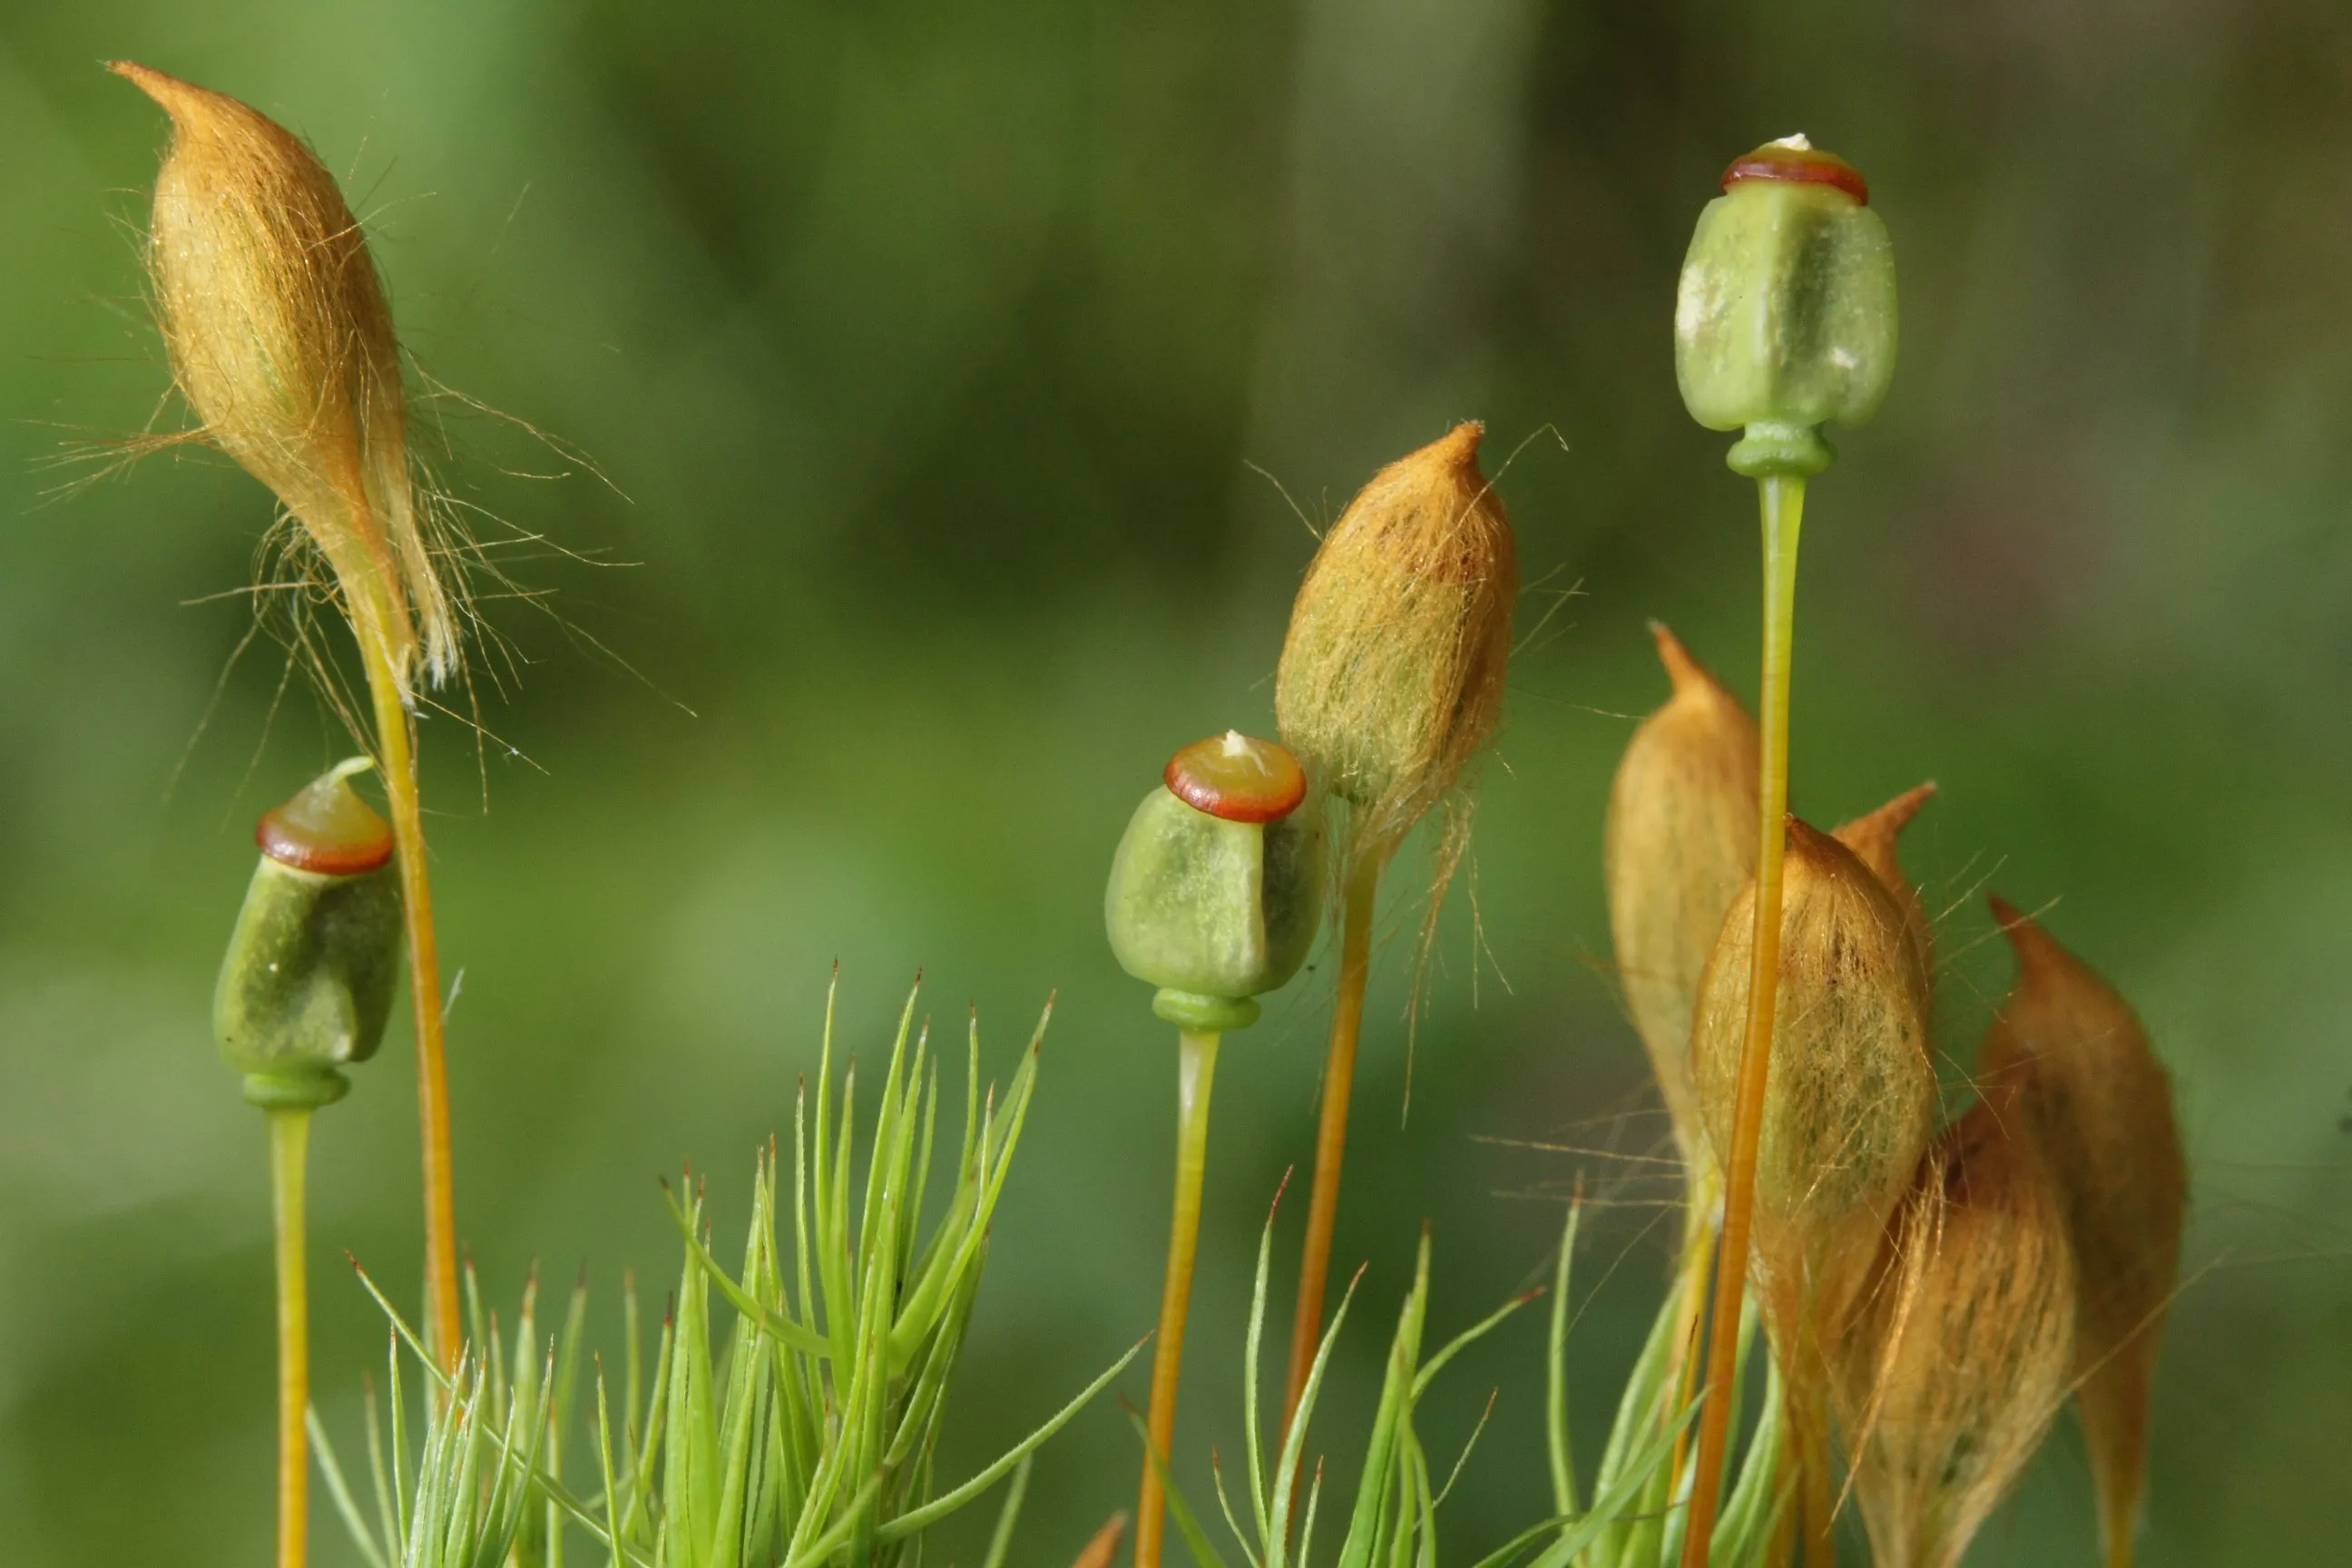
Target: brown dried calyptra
1852,1101
1679,843
2097,1105
1965,1353
281,342
1849,1109
1391,674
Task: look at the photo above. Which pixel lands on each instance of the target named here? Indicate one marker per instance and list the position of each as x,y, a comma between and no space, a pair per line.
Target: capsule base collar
1192,1010
295,1092
1770,449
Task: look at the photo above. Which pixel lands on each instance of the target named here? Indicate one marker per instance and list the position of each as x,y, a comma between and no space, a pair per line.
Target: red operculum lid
326,827
1238,778
1796,160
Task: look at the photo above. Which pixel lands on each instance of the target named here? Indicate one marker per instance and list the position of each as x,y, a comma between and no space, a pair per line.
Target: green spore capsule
1785,317
1217,887
307,985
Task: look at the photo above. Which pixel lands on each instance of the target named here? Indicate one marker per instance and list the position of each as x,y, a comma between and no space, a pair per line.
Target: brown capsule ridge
1238,778
1677,845
1964,1352
1797,161
326,828
2097,1105
1872,837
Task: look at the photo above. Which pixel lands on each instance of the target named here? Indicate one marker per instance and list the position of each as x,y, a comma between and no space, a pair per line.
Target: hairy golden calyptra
1848,1109
1392,673
1678,845
2097,1104
1964,1352
1852,1101
282,344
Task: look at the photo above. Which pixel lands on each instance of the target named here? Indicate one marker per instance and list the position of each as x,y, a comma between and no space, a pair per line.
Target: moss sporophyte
304,991
1784,319
1391,683
1216,891
281,343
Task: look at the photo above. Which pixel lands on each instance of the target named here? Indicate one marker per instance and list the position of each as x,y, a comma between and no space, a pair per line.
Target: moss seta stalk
281,342
1689,1297
1331,1131
444,1321
289,1152
1197,1072
1781,500
1216,895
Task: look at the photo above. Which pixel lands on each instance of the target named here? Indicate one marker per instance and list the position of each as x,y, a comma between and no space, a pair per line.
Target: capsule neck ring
1776,449
295,1090
1192,1010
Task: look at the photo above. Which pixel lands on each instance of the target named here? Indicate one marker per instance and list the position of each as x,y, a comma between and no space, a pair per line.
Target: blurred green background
967,378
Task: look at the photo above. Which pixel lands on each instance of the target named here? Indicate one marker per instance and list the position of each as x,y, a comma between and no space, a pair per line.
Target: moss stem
1820,1502
2118,1524
1331,1132
1690,1298
444,1325
1781,502
1196,1076
289,1150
